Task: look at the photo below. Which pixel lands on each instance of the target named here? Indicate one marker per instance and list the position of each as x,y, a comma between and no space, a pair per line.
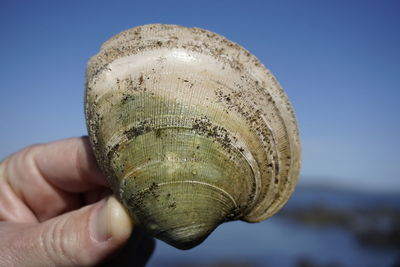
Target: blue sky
339,62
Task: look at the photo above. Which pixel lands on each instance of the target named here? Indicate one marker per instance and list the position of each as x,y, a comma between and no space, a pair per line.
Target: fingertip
120,222
111,222
87,164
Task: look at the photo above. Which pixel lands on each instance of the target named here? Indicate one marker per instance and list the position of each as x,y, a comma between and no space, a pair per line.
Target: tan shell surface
191,131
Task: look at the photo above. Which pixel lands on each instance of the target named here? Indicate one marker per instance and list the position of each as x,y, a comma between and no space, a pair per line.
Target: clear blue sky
339,62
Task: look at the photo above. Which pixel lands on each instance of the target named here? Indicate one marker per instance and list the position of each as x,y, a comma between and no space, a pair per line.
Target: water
281,241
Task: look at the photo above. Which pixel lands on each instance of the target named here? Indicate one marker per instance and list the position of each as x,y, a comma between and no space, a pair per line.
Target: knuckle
56,245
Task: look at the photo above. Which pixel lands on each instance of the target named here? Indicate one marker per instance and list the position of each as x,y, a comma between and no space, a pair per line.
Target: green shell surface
191,131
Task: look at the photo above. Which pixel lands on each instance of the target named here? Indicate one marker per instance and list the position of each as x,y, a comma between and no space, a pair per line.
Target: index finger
48,177
69,165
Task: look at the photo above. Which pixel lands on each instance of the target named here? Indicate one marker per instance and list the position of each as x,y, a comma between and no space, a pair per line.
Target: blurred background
338,61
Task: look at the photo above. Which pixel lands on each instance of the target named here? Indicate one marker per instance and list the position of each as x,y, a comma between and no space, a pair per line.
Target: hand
56,209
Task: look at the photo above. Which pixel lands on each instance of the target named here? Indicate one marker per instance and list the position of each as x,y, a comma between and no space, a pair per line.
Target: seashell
191,131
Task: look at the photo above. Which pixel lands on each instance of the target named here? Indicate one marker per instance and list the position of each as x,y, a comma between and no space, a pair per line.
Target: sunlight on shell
191,131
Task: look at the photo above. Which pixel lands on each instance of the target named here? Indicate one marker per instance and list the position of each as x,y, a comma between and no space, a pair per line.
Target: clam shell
191,131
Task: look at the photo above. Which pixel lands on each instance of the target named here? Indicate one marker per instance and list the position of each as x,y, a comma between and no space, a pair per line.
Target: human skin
56,209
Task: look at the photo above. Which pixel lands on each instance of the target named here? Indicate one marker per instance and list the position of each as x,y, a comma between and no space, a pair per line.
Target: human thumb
82,237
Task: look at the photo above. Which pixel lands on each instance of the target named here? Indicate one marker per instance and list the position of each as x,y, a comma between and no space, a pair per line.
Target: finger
12,208
69,164
96,195
79,238
47,177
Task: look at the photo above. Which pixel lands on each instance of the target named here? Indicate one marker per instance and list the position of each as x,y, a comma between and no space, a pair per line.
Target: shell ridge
193,182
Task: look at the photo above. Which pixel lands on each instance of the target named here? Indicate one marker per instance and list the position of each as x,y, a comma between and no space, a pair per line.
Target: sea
319,227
